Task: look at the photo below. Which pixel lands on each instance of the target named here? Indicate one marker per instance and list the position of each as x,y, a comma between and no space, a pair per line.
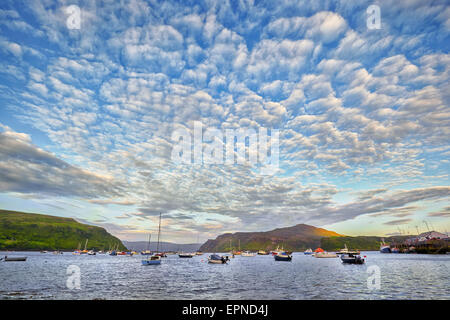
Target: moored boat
156,258
13,258
308,251
325,254
283,256
352,258
248,254
263,253
186,254
216,259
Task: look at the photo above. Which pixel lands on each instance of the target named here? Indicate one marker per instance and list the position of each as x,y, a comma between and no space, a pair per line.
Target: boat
277,251
248,254
91,253
308,251
384,248
156,258
263,253
395,250
346,251
216,259
199,253
113,253
43,251
352,258
320,253
283,256
146,253
57,252
187,254
85,251
13,258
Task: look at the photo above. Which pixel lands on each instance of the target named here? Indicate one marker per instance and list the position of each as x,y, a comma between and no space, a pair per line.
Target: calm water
43,276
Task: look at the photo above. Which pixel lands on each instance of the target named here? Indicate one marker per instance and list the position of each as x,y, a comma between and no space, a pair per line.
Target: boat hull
279,257
150,262
385,250
10,259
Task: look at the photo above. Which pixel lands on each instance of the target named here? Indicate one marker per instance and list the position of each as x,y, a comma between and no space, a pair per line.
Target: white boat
187,254
91,253
346,251
325,255
248,254
308,251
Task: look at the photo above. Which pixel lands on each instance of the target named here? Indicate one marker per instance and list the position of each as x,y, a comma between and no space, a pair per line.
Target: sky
89,106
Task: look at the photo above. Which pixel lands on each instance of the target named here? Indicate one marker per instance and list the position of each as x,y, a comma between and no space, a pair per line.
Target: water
44,276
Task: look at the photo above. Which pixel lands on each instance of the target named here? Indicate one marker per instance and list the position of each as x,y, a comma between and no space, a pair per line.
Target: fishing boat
308,251
187,254
216,259
263,253
248,254
352,258
384,248
320,253
154,259
277,251
13,258
283,256
346,251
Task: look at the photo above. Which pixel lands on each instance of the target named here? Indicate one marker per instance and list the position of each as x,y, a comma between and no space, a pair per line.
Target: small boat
113,253
156,258
308,251
146,253
325,254
216,259
263,253
91,253
14,258
352,258
187,254
283,256
152,260
395,250
57,252
43,251
199,253
248,254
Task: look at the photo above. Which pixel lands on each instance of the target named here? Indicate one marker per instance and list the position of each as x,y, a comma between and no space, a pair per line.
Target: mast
148,244
159,231
85,245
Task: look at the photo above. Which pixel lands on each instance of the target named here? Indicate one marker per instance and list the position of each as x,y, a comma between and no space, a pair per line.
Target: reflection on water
43,276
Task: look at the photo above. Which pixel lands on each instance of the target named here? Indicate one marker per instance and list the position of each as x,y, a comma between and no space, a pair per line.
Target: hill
31,231
296,238
163,246
367,243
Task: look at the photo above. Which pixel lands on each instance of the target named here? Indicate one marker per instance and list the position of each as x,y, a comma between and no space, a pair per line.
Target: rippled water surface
44,276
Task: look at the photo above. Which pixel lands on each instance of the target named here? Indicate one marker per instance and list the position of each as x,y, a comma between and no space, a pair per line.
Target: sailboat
155,258
85,251
147,252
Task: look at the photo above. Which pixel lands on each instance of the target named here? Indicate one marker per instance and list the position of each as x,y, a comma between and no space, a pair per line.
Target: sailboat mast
159,231
148,244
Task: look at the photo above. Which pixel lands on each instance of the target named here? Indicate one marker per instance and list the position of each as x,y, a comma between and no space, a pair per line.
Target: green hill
368,243
31,231
296,238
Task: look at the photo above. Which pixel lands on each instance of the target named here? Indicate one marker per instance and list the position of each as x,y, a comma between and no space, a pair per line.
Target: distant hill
31,231
368,243
163,246
296,238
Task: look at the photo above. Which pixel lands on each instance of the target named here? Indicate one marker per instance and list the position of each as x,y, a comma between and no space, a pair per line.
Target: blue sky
86,115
